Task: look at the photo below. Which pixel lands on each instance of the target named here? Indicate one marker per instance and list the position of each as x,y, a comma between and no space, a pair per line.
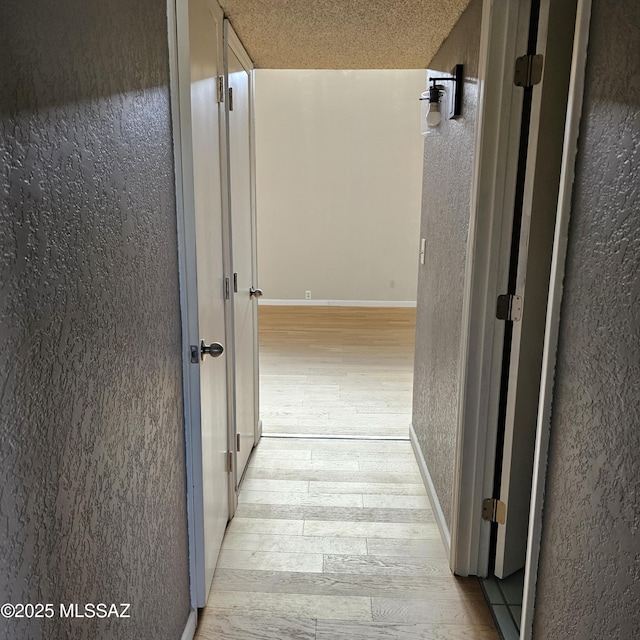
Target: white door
529,279
211,497
243,247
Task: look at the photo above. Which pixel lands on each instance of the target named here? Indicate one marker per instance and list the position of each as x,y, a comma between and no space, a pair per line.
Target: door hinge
230,98
220,91
235,283
509,307
238,442
528,70
227,289
229,468
494,510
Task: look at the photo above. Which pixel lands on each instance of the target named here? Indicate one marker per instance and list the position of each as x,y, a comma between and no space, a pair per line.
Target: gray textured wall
448,160
92,476
589,578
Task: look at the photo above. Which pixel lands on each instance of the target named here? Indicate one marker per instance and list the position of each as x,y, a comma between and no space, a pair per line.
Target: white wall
339,183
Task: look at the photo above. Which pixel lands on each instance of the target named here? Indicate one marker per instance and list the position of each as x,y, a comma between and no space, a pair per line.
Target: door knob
215,350
255,292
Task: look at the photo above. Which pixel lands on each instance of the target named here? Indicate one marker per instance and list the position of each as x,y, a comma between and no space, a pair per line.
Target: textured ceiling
343,34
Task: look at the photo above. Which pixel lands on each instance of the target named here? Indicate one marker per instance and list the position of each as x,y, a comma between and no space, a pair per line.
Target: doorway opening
339,187
518,312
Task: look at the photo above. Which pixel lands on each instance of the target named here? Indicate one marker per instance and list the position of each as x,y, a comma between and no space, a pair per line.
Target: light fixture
431,113
433,116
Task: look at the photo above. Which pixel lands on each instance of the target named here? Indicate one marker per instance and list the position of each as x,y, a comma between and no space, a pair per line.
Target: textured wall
339,182
448,160
589,580
92,477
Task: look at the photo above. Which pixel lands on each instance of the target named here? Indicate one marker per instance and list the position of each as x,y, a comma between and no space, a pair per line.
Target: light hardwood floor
336,370
327,546
334,539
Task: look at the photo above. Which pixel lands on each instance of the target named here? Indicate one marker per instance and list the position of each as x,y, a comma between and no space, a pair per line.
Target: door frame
254,249
481,343
231,41
534,250
504,34
178,44
561,236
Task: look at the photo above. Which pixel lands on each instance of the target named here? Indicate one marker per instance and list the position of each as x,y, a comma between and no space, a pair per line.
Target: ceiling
343,34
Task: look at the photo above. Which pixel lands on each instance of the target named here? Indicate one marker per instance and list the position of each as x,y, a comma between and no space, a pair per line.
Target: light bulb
434,117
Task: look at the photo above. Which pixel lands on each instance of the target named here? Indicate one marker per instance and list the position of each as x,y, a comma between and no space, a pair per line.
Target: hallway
336,539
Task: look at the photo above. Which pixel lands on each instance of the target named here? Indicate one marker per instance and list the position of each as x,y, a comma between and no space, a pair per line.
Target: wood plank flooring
334,559
336,370
334,539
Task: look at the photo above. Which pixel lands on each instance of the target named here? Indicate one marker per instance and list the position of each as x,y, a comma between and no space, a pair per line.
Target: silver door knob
215,350
255,292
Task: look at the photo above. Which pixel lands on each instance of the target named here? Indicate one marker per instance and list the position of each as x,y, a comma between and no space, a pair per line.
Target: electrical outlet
307,295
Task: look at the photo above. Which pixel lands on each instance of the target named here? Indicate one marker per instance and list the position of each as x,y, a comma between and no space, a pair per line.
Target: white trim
572,128
190,628
237,47
324,436
186,277
431,491
227,250
504,33
235,44
272,302
254,252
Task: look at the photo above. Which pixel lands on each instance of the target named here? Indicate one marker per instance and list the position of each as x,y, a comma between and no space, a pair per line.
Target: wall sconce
431,113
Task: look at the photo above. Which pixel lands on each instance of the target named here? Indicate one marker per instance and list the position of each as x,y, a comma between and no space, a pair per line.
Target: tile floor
505,600
328,544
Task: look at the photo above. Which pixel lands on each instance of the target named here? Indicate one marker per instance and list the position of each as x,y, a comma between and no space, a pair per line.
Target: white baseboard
272,302
431,491
324,436
190,628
